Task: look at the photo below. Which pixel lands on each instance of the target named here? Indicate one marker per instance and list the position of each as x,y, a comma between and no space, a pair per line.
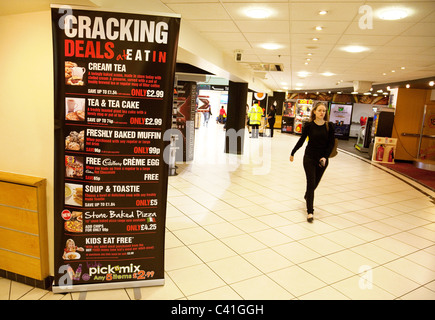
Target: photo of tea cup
78,72
71,104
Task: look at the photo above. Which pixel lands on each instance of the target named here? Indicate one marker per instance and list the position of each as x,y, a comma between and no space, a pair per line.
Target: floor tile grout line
247,233
205,263
421,286
385,236
396,175
332,226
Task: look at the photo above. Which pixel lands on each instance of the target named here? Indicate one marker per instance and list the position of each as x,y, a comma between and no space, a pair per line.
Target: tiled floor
236,229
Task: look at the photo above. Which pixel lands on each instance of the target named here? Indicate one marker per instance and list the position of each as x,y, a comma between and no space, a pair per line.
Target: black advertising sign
114,76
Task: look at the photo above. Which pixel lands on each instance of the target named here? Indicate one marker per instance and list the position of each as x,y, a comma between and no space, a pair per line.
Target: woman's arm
305,130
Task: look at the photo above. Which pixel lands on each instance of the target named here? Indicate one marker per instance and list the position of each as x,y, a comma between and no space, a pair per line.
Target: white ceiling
408,43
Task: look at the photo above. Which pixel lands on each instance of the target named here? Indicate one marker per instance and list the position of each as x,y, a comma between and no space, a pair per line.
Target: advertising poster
288,117
114,76
341,116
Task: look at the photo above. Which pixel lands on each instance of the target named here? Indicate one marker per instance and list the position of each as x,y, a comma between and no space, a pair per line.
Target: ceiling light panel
393,13
271,46
267,37
238,11
355,49
196,10
365,40
336,11
258,12
329,27
263,26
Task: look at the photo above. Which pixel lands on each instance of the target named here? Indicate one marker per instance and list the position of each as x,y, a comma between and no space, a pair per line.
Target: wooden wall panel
23,225
17,195
408,117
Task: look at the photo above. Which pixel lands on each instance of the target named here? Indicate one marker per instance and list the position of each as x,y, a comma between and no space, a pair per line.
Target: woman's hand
322,162
291,158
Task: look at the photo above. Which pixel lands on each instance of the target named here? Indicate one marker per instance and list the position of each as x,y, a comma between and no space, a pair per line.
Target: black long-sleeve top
320,143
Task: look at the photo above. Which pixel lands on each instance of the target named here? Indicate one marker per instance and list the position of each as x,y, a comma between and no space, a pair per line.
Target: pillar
236,113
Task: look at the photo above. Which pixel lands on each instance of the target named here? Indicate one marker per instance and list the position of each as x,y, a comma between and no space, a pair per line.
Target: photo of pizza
75,224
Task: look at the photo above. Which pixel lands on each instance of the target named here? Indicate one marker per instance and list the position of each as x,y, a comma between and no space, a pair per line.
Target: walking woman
320,133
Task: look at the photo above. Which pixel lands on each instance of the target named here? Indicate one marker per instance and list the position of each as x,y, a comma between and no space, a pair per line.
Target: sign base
107,286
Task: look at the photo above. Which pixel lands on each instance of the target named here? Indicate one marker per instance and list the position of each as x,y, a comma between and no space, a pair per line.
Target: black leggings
255,130
313,172
271,125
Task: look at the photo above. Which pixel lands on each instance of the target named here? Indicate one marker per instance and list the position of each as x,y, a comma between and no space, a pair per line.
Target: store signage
114,77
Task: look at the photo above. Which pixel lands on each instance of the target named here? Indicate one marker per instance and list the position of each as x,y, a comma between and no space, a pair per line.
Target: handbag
334,151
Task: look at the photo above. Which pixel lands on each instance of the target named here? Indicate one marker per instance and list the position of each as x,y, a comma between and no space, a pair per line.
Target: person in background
207,113
254,115
271,119
320,133
222,115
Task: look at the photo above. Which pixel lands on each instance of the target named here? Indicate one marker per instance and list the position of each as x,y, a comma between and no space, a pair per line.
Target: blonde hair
313,116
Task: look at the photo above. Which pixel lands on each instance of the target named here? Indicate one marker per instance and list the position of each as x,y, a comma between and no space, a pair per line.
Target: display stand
359,145
288,117
303,111
136,291
384,149
172,156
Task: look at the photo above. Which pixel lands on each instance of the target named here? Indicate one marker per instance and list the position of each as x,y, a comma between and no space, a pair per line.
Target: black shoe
310,218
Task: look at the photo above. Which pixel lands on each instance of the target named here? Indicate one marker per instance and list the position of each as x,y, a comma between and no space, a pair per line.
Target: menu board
341,116
114,75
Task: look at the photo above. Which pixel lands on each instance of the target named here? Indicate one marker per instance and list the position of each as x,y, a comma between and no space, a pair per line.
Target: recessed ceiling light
384,74
407,86
258,13
271,46
308,59
319,28
355,49
393,70
403,68
328,74
431,83
309,54
306,63
315,39
303,74
393,13
323,12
